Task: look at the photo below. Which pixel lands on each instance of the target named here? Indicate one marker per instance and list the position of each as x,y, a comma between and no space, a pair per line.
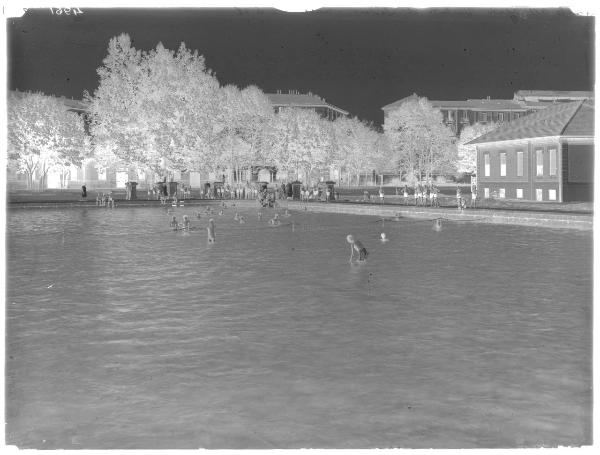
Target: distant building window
500,116
502,164
552,153
501,193
483,116
520,161
465,115
519,193
539,162
450,116
486,164
552,195
486,193
101,174
539,194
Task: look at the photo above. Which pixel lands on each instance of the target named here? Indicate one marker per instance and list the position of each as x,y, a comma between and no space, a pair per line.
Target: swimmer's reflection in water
356,245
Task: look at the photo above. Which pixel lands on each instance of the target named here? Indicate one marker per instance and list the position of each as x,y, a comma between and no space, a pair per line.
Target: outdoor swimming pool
124,334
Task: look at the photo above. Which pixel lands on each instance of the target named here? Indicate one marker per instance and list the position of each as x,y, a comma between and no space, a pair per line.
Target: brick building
544,156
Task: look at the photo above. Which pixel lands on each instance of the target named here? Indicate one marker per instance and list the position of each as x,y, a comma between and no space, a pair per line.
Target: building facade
295,99
458,114
546,156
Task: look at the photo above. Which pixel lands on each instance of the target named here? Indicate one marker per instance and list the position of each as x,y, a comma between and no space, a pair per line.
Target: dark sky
357,59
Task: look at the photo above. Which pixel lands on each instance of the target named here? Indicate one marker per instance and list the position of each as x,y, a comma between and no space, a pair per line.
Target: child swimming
356,245
242,219
275,221
236,217
384,237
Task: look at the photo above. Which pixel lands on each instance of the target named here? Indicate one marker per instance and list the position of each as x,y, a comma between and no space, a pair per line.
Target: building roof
554,94
301,100
470,104
561,119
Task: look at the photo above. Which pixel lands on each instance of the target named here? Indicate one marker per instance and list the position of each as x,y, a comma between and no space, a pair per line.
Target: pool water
122,333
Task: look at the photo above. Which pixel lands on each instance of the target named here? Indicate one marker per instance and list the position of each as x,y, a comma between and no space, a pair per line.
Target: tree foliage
155,109
421,144
43,135
467,154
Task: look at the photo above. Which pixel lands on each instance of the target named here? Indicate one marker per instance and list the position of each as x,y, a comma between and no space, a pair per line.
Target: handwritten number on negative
65,11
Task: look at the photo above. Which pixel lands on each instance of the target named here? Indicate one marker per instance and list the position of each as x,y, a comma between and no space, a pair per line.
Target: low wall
523,218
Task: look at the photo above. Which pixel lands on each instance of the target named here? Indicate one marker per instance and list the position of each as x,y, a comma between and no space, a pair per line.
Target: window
519,193
539,161
539,194
101,174
483,116
500,116
450,116
502,164
520,164
486,164
465,116
552,153
552,195
486,193
516,115
501,193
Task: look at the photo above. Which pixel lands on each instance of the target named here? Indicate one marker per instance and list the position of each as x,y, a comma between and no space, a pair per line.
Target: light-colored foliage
421,143
43,134
467,154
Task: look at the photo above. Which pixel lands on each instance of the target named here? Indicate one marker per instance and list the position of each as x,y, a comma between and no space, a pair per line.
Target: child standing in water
211,231
356,245
186,223
174,224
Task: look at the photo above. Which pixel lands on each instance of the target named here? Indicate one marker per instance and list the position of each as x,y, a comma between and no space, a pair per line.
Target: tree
357,146
301,141
156,109
420,141
43,135
467,154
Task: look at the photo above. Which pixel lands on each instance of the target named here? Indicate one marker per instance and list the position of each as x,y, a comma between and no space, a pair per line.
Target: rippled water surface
124,334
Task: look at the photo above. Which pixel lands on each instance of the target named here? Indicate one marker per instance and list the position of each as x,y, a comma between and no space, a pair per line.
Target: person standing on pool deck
405,195
84,193
356,245
458,198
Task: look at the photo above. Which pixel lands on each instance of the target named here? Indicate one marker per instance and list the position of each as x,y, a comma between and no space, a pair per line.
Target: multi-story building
544,156
535,100
295,99
458,114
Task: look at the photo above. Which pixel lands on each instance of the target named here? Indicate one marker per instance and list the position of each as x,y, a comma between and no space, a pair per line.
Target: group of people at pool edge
427,194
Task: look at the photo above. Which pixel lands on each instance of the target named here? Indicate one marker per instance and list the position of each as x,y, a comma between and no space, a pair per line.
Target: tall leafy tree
358,147
302,142
420,141
43,135
155,109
